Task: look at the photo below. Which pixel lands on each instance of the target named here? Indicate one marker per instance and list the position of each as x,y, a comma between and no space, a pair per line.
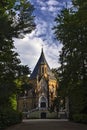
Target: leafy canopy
71,30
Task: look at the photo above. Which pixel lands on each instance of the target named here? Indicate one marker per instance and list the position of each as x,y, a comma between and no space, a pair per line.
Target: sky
29,48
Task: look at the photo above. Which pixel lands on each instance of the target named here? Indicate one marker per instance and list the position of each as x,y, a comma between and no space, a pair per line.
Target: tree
19,15
71,30
22,80
15,21
56,105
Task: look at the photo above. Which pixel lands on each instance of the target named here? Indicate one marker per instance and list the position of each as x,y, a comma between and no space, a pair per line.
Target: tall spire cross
42,46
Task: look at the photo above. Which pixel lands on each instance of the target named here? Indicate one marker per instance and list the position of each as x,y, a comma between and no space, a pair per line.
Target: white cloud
48,5
52,2
43,8
41,26
52,9
41,2
52,55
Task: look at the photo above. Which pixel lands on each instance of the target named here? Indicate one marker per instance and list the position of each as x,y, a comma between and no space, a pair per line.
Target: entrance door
43,115
43,104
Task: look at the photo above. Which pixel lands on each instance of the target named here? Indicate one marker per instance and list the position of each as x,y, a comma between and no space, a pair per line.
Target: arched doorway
43,102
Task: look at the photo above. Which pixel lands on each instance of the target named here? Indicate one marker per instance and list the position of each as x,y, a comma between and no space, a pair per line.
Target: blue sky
29,48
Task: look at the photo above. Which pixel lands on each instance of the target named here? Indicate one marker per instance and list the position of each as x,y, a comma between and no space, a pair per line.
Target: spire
41,62
42,59
42,52
42,49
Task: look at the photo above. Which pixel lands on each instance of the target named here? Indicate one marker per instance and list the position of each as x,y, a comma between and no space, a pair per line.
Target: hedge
80,118
9,117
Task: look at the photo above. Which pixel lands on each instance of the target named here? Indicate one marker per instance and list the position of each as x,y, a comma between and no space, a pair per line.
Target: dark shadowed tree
16,20
71,31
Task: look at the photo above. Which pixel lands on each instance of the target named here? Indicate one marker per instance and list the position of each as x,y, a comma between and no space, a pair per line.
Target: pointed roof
42,60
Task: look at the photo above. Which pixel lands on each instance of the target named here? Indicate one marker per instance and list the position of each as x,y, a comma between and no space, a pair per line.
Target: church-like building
44,88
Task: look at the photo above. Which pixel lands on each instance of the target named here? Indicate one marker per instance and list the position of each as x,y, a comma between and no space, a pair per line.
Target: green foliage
16,20
9,117
13,101
20,20
23,70
56,103
71,30
80,118
22,81
55,106
77,101
55,72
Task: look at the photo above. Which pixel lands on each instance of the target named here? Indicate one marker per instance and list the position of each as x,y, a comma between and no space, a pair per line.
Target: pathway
46,124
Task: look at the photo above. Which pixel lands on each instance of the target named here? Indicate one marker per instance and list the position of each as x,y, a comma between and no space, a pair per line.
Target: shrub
9,117
80,118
